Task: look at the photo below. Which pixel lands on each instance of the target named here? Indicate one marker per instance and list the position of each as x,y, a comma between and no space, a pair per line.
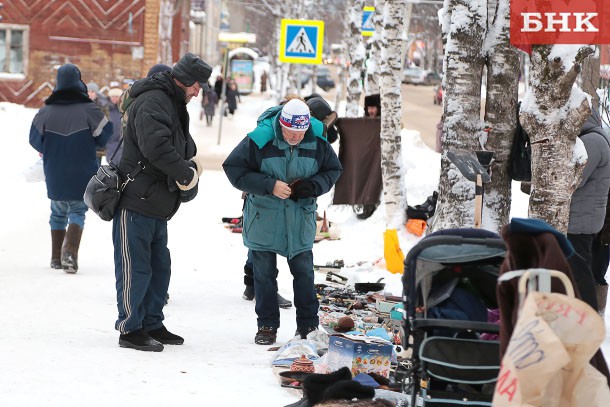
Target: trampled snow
59,346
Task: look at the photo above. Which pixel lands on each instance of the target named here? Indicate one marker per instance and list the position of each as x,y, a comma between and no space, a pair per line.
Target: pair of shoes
248,294
283,302
165,337
139,340
305,331
265,336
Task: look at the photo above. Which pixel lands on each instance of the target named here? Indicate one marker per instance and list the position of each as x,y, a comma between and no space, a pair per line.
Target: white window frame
9,28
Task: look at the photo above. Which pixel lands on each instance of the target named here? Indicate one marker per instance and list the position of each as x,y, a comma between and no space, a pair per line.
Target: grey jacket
589,201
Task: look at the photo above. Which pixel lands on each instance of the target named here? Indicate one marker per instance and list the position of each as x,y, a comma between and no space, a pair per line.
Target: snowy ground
59,346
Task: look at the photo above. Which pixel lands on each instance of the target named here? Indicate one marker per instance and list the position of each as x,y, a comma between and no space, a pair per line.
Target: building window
13,48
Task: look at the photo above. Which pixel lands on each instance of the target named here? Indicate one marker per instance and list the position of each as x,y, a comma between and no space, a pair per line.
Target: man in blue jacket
67,132
283,165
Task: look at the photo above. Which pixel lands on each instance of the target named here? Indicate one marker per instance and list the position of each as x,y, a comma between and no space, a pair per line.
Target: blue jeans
142,268
65,212
265,289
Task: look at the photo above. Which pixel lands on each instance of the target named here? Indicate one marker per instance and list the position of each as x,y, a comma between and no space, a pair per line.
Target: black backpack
520,160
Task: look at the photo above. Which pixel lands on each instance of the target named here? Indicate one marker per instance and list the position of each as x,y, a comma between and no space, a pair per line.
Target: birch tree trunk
356,53
502,64
391,105
472,44
464,28
552,113
167,11
372,69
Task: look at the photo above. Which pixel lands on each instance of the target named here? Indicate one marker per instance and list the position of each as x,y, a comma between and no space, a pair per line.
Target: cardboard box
360,353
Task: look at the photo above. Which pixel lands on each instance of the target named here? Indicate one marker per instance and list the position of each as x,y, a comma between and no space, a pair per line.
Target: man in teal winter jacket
283,165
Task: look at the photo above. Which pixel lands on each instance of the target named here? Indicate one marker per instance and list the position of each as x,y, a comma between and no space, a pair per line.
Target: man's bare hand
281,189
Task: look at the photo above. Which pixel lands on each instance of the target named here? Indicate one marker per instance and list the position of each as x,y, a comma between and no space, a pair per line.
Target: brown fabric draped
360,156
525,250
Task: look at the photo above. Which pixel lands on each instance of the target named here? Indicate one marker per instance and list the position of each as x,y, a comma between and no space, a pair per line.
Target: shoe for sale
265,336
283,302
305,331
248,294
165,337
139,340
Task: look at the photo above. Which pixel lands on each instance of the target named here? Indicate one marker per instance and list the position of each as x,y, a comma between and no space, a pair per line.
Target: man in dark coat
158,144
67,131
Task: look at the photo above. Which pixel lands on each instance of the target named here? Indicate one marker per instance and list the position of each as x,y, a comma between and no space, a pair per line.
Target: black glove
302,189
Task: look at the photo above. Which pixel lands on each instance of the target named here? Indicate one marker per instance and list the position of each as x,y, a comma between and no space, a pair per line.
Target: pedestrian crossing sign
368,25
301,41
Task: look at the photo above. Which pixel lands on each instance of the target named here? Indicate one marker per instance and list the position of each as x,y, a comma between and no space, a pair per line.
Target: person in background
208,107
372,105
588,206
283,165
115,117
158,143
264,78
601,260
218,87
93,90
67,131
231,97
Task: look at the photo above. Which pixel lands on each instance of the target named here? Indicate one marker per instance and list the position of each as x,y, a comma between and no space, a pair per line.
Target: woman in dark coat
232,95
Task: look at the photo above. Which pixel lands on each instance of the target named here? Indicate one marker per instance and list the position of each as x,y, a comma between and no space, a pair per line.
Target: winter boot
248,294
303,332
283,302
165,337
602,297
265,336
69,258
57,240
139,340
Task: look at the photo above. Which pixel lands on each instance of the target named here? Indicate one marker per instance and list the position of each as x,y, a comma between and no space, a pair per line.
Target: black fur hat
347,390
315,384
372,100
191,69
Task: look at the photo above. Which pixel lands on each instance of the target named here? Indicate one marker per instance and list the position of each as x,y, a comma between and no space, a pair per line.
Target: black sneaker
139,340
305,331
248,294
265,336
165,337
283,302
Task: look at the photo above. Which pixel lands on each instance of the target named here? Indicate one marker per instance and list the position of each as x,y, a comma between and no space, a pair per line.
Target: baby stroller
449,286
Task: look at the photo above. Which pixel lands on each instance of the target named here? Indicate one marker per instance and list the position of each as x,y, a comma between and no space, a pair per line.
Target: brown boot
602,296
69,258
57,240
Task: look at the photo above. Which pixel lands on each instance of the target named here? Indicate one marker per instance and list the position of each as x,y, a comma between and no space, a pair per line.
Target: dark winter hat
319,107
191,69
158,68
315,384
69,78
348,390
345,324
372,100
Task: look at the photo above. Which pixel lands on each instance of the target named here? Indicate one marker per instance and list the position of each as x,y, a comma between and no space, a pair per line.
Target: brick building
116,40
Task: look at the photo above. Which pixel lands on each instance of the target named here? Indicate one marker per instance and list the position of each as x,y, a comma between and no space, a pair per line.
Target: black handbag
103,191
520,159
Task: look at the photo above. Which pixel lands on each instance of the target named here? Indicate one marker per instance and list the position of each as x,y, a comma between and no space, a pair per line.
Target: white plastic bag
35,172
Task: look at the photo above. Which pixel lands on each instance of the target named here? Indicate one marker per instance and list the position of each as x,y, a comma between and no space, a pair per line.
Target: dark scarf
67,97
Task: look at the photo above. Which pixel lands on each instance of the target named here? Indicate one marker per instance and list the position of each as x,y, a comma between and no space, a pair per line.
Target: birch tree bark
356,53
552,113
372,69
476,36
391,105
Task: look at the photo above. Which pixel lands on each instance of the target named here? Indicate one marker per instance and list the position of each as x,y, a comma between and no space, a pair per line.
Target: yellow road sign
301,41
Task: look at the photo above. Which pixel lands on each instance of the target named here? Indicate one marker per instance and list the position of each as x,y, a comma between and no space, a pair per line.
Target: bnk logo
559,22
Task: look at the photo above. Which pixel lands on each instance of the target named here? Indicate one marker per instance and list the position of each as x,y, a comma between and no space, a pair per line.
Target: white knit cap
295,115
